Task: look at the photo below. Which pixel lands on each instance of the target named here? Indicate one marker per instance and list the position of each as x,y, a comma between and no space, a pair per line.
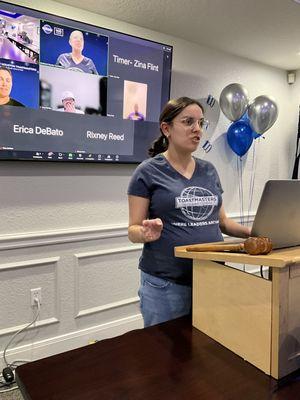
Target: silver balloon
262,112
234,101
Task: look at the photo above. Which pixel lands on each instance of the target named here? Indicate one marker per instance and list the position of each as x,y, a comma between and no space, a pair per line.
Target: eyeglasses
191,123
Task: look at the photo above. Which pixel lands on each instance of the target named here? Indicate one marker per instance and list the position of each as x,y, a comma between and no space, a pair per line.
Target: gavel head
258,245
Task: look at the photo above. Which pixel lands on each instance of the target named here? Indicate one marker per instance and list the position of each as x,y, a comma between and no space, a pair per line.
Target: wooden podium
256,318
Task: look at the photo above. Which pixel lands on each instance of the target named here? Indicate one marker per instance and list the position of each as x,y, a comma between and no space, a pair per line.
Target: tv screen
70,91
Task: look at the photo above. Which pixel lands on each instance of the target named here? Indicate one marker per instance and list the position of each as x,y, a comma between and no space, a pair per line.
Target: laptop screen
278,213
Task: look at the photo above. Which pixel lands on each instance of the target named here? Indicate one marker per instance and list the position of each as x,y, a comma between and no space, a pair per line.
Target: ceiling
267,31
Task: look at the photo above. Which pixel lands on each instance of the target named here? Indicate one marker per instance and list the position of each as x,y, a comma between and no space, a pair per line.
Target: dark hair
6,69
170,111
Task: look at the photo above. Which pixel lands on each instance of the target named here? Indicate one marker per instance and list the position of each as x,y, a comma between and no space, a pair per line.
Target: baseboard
73,340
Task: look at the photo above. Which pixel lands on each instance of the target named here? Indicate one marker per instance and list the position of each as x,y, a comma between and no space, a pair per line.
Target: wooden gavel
252,246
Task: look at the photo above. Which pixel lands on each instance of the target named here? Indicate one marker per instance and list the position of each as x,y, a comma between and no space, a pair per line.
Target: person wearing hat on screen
68,101
76,61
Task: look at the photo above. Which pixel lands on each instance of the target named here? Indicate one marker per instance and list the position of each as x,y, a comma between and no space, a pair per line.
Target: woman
174,199
76,61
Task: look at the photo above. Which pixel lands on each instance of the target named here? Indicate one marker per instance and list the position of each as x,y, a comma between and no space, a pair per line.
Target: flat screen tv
70,91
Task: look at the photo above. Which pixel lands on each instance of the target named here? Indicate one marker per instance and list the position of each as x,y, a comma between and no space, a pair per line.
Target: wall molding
61,236
115,250
247,217
28,264
108,306
37,324
72,235
72,340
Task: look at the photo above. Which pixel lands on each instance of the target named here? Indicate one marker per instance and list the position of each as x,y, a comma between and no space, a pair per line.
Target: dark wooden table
170,361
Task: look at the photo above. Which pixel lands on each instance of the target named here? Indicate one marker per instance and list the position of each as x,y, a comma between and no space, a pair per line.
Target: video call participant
68,101
75,60
6,82
174,199
136,115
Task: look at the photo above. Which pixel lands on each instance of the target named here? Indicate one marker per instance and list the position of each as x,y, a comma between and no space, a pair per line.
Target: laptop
278,213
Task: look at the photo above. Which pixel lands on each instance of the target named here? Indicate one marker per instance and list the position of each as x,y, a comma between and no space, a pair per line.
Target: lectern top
277,258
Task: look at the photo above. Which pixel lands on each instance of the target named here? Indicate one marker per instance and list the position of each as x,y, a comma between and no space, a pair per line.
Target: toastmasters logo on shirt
196,203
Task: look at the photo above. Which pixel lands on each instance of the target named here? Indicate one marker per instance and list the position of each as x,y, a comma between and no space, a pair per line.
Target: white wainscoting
69,341
62,256
36,263
74,268
98,254
61,236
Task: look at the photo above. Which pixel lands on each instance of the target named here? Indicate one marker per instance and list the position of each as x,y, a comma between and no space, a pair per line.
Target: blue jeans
162,300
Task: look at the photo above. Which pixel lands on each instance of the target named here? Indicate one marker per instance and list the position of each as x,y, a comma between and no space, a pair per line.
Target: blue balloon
240,137
245,118
256,135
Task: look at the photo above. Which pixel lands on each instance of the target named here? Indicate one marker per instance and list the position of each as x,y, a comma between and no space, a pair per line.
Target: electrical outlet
36,294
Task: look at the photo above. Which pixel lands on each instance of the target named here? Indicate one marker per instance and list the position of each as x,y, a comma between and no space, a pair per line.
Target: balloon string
241,191
252,180
239,182
242,186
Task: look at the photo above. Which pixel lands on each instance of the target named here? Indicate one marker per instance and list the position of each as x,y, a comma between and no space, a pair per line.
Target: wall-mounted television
70,91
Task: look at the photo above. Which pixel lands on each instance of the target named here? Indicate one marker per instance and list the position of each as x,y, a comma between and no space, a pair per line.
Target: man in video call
68,101
6,82
136,115
76,61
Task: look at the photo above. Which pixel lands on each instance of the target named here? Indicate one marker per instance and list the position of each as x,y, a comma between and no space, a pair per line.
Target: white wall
63,226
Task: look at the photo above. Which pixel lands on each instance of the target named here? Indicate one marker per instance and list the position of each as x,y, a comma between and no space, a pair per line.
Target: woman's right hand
151,229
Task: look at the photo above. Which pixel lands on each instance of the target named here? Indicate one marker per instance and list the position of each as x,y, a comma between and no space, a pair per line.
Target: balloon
234,101
245,118
263,112
256,135
240,137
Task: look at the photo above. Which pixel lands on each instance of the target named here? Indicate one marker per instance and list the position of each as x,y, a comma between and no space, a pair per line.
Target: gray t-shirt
189,209
86,65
